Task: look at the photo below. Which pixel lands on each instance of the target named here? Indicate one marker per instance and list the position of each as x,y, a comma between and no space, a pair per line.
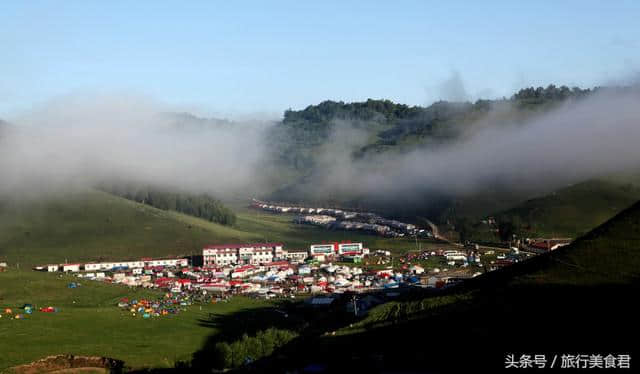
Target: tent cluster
26,309
8,312
169,304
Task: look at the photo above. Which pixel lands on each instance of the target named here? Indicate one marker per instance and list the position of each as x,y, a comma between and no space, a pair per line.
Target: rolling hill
89,225
573,211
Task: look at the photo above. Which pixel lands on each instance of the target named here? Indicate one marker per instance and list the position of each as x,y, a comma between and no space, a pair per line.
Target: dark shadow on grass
476,336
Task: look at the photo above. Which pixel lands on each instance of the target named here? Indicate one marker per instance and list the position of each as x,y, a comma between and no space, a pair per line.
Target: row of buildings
262,253
115,265
268,270
345,220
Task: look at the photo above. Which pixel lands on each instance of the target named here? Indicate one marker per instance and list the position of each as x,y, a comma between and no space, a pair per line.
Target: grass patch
90,323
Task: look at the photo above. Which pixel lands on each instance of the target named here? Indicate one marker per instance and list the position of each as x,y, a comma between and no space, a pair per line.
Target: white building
111,265
171,262
416,269
455,256
251,254
52,268
350,248
296,256
322,249
74,268
243,271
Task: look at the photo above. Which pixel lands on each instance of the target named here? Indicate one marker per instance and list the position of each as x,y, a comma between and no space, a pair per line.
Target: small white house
74,268
416,269
52,268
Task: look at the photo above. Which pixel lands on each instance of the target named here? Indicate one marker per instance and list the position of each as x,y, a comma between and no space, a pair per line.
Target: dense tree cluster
248,349
427,121
390,125
370,110
197,205
550,93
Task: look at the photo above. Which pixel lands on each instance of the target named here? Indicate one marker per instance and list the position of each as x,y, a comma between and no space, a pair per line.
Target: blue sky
238,57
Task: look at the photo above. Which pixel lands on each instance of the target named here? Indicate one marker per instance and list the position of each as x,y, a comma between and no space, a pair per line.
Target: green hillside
91,225
572,211
607,254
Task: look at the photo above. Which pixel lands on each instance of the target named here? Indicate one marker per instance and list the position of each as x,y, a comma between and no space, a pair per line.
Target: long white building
250,254
97,266
171,262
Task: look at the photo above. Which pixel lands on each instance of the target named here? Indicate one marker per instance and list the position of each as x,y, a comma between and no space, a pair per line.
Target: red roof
236,246
351,253
214,285
244,268
277,263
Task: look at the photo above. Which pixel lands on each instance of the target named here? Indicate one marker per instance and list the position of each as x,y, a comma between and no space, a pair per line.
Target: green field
90,323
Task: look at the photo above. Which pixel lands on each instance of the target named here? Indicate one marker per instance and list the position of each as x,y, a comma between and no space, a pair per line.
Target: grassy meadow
89,322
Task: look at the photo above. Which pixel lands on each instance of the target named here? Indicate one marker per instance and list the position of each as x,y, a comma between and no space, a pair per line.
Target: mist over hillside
539,140
374,152
84,141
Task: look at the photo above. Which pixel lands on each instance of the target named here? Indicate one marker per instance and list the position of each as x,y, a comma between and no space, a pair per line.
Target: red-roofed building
277,265
243,271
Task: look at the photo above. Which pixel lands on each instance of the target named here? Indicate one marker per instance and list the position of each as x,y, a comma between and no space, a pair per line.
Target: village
267,270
